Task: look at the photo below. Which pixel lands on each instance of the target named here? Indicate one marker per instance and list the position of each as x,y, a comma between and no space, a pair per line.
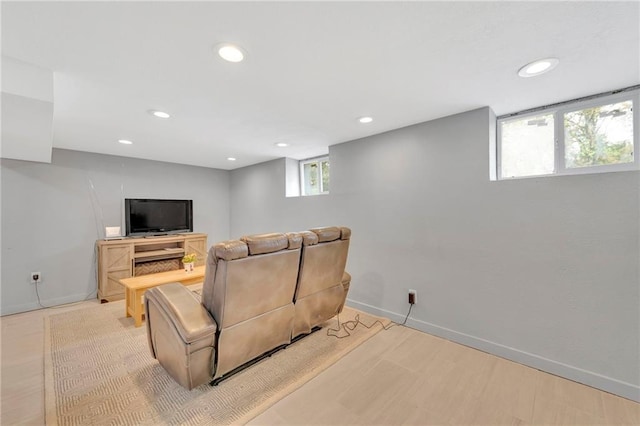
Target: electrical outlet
36,277
413,296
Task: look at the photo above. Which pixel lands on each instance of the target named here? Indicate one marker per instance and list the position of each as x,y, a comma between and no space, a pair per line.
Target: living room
542,271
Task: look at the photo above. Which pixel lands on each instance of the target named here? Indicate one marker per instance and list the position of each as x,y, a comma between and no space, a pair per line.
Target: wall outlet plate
36,277
413,296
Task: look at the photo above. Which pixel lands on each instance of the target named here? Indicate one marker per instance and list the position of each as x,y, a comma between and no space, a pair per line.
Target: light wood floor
400,376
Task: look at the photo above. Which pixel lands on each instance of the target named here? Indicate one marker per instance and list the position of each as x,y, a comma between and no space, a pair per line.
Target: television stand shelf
162,253
130,257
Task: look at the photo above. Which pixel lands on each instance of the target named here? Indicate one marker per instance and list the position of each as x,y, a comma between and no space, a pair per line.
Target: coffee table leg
127,302
137,307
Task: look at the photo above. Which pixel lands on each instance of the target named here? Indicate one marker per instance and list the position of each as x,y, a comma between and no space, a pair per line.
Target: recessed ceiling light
125,142
230,52
282,144
365,120
538,67
159,114
231,158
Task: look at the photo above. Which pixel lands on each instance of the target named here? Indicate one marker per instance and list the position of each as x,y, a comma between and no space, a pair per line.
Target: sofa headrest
230,249
309,238
266,243
295,240
331,233
345,233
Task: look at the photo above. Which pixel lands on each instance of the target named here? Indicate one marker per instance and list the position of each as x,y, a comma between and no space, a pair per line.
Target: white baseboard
25,307
577,374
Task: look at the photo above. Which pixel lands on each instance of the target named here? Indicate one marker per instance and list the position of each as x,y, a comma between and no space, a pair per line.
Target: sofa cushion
295,240
230,250
265,243
309,238
345,233
328,233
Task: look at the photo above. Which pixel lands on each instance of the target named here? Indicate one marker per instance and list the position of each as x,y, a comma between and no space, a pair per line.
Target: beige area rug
98,370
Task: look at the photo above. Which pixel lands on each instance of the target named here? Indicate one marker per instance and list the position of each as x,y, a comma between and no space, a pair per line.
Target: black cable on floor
349,326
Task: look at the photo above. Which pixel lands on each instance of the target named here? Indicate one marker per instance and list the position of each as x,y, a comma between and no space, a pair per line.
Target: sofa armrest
346,281
181,333
190,319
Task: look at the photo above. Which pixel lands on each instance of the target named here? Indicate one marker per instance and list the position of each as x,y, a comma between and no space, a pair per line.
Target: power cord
89,297
38,296
349,326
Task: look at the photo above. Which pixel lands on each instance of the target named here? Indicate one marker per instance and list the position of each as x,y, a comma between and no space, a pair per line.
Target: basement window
314,176
598,134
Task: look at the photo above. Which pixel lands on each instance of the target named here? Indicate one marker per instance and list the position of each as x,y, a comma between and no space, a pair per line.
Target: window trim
558,111
302,163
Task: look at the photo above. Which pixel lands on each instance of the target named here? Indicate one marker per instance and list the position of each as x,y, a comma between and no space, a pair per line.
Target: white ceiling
311,69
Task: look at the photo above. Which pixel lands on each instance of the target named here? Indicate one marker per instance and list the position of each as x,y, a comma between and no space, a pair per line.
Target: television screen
158,216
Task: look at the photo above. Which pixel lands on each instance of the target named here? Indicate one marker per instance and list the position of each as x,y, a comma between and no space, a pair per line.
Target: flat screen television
153,217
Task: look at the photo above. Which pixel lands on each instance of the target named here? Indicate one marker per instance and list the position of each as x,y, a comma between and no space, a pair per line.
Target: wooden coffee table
136,286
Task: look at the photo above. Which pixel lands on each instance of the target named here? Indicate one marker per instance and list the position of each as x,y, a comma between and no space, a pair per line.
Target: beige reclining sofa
258,294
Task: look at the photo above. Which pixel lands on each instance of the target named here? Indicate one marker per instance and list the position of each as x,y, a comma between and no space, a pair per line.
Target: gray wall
544,271
52,215
258,202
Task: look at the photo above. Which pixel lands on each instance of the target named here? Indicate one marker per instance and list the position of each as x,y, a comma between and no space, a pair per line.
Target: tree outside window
599,135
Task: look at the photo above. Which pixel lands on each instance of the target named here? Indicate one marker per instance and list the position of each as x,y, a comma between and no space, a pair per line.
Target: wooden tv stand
130,257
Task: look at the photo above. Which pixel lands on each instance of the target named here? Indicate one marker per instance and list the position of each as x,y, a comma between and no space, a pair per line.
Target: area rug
98,370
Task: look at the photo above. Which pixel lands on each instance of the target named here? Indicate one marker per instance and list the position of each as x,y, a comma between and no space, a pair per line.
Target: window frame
319,161
558,112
